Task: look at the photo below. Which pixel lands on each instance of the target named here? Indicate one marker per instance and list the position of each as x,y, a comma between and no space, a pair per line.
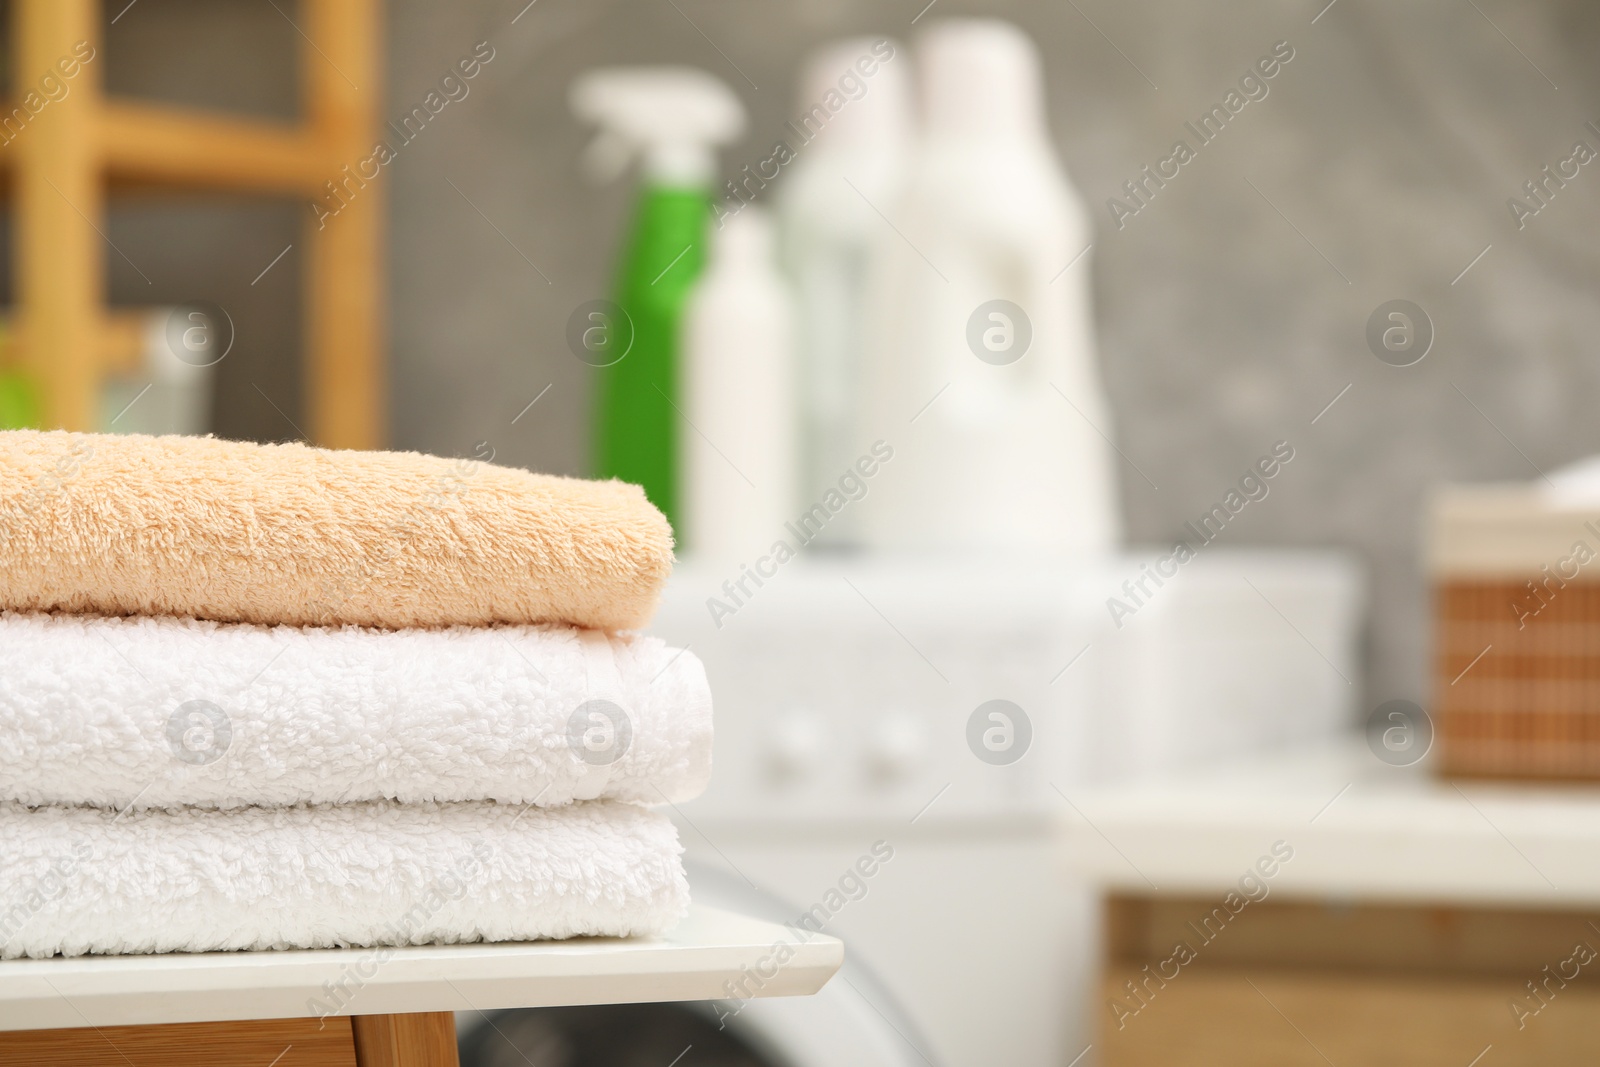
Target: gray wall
1388,145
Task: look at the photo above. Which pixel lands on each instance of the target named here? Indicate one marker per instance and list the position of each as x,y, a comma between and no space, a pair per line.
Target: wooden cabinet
1190,983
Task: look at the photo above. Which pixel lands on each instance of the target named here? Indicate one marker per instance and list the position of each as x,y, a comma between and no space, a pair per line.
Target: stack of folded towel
274,696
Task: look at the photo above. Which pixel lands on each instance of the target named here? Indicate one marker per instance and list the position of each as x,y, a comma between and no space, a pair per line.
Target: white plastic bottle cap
980,77
745,238
866,107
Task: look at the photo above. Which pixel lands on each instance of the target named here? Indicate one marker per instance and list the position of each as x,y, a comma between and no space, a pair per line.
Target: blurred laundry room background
1230,310
1340,160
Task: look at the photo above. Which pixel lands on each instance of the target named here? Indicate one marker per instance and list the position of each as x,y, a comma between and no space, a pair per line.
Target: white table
692,962
1359,828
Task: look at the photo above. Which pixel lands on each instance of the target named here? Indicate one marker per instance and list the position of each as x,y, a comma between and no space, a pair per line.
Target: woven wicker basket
1516,585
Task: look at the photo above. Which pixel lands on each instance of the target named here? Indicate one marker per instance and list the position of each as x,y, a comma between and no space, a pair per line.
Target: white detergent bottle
983,375
833,241
171,393
737,452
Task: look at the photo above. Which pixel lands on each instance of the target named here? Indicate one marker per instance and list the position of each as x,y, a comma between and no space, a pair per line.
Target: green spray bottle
19,396
671,119
19,401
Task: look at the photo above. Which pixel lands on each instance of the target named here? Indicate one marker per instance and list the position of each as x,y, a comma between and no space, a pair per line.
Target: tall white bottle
984,376
737,454
833,243
172,392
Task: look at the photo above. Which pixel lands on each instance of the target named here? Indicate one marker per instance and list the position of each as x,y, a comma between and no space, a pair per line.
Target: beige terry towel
236,532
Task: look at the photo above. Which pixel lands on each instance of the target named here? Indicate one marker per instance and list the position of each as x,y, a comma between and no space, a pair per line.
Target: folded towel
131,525
161,712
80,880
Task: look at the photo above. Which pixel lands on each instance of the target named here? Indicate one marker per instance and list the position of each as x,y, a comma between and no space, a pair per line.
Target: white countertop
1360,829
691,962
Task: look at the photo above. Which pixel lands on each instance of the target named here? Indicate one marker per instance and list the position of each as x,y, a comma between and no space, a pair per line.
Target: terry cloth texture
79,880
237,532
160,712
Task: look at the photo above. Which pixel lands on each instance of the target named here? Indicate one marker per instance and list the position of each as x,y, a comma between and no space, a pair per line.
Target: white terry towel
84,880
164,712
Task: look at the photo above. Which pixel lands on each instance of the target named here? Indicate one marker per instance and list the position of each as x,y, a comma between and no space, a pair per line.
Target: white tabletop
1359,829
692,962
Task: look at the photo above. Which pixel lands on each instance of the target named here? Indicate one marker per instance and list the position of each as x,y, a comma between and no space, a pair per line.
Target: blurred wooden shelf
149,146
61,161
193,149
123,335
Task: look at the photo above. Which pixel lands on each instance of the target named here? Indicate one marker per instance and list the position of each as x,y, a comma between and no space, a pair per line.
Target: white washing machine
853,1022
846,696
898,747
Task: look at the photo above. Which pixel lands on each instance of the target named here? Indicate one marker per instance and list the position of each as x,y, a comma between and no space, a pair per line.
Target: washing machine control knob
796,745
895,747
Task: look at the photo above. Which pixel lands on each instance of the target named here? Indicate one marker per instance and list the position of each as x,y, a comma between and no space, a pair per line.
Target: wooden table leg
421,1039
